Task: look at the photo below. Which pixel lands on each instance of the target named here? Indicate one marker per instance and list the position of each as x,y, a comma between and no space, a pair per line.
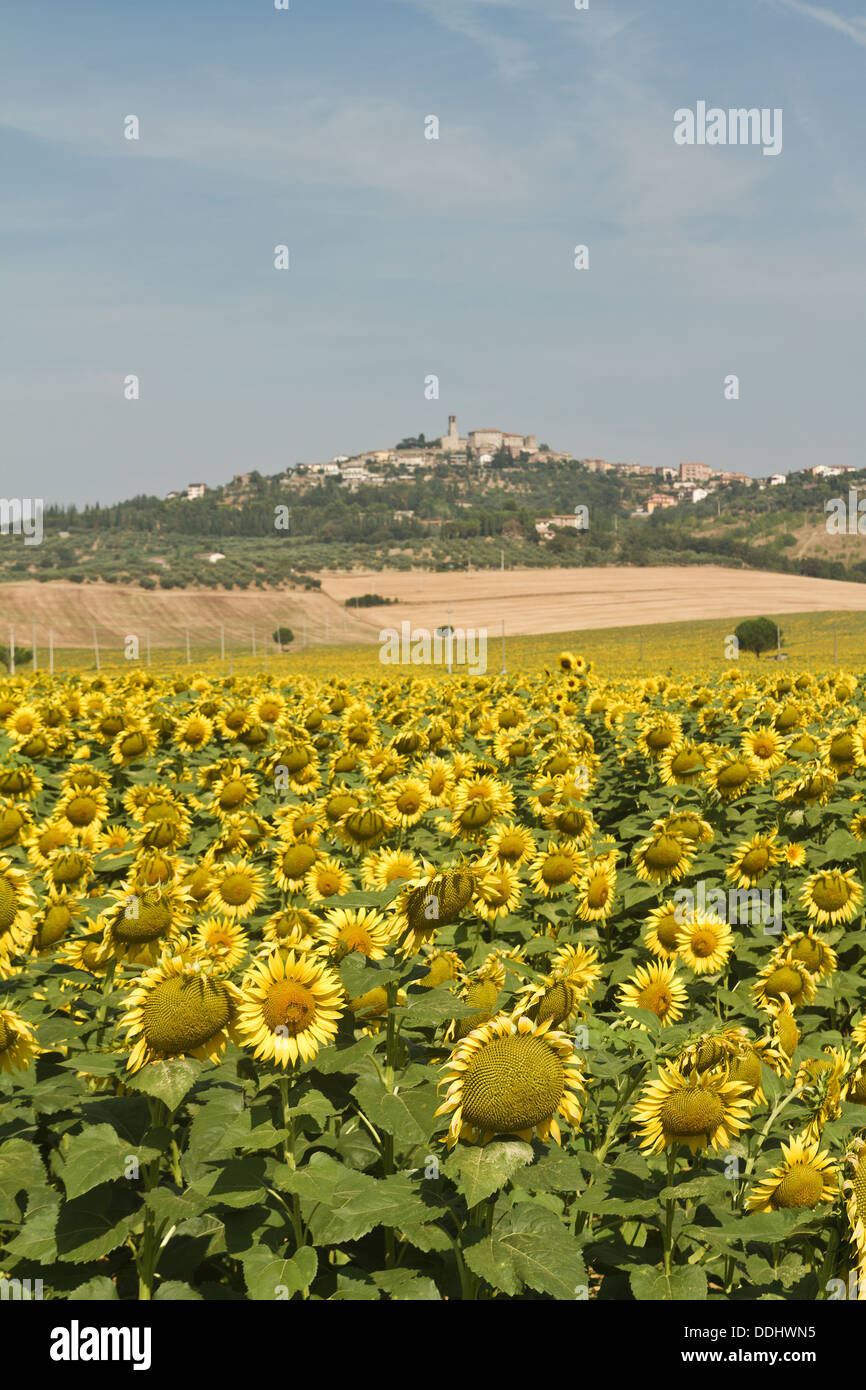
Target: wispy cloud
854,28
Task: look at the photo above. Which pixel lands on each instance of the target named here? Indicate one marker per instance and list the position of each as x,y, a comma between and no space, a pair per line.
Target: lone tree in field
758,635
283,636
22,656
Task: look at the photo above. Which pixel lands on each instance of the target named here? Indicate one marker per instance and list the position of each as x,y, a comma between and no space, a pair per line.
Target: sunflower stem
670,1206
107,984
290,1161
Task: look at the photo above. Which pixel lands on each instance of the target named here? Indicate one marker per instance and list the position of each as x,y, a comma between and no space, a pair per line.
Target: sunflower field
539,987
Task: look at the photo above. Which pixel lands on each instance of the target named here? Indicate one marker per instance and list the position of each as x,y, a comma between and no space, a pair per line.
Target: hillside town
415,459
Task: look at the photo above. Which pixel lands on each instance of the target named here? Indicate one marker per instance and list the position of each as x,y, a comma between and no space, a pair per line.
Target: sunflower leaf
269,1276
21,1169
684,1283
480,1171
169,1082
98,1155
93,1225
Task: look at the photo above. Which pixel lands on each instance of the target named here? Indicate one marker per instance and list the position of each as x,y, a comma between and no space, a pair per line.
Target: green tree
283,636
22,656
758,635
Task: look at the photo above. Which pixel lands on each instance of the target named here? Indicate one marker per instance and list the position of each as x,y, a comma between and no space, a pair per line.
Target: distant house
403,516
340,458
170,496
699,493
777,479
695,472
242,478
212,555
660,499
195,490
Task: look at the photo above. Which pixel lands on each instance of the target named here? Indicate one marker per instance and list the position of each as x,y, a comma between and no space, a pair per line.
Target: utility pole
33,644
147,639
96,648
187,646
51,651
450,634
222,644
11,650
503,647
835,645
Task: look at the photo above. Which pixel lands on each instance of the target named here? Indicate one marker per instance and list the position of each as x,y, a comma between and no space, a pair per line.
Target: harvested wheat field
561,600
529,602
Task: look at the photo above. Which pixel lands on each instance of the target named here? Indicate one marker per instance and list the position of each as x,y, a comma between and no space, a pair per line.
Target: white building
777,479
195,490
699,493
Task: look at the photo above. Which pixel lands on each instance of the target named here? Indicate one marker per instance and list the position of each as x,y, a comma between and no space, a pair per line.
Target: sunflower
290,1008
134,743
854,1188
662,857
17,904
805,1177
764,750
292,863
222,940
697,1112
406,801
687,825
498,891
510,843
42,839
58,913
364,827
783,1031
512,1076
235,791
809,949
658,732
753,859
82,810
579,965
660,931
384,867
238,888
144,923
85,953
178,1009
444,966
704,942
596,891
785,980
326,879
833,895
820,1083
164,822
658,988
433,902
682,764
482,995
291,929
17,1042
813,787
795,855
193,732
557,868
361,929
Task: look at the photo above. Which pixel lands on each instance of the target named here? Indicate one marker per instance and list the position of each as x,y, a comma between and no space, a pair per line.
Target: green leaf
481,1170
403,1286
100,1289
436,1006
20,1169
169,1082
408,1115
546,1259
35,1240
269,1276
238,1183
95,1224
684,1283
175,1291
95,1156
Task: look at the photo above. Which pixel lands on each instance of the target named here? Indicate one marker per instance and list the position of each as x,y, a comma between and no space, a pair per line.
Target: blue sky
412,257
